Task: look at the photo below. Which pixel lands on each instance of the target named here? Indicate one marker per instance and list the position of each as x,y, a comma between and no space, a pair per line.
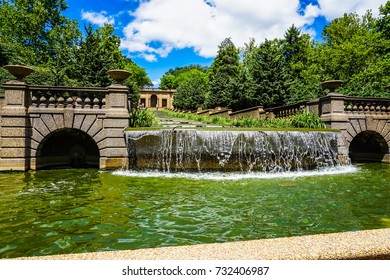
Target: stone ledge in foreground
367,244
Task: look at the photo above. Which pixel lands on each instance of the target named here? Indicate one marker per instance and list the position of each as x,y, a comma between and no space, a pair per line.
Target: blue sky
163,34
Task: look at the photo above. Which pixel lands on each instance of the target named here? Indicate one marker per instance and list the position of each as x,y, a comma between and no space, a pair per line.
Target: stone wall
31,115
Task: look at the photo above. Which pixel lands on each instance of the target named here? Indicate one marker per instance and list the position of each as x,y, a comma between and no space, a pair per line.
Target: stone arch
368,146
67,148
153,101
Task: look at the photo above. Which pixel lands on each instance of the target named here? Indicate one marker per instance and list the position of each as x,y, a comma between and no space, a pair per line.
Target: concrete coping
366,244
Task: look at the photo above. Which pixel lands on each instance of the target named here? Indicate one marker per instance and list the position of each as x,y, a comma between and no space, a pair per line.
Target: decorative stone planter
119,75
332,85
19,71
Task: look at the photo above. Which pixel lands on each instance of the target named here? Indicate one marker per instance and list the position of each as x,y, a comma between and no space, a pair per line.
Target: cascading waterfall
231,150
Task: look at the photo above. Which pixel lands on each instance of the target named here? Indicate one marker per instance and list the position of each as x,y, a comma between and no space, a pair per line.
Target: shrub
143,118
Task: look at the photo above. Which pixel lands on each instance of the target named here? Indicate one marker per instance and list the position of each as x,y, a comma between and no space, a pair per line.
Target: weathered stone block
14,142
68,117
15,122
13,132
95,127
363,125
19,164
355,127
59,120
113,163
36,136
115,132
78,121
380,126
117,100
88,122
34,144
49,122
112,143
13,152
116,123
14,97
100,136
114,153
40,126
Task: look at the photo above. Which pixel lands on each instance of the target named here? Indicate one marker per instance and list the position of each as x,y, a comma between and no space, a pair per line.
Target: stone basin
332,85
119,75
19,71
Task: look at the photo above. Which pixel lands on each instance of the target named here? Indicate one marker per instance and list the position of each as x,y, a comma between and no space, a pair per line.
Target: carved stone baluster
52,102
372,107
61,102
42,101
96,103
35,100
367,107
378,109
354,107
103,103
79,102
69,102
87,103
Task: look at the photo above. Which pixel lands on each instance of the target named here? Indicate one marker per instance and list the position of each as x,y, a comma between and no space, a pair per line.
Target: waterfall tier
232,150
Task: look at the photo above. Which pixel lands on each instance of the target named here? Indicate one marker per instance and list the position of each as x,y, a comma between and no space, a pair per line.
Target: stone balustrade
287,111
67,97
360,105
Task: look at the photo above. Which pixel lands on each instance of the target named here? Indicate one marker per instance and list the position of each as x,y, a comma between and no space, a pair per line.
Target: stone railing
361,105
67,97
286,111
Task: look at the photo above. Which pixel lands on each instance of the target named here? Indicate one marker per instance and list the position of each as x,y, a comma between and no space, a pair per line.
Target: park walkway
168,121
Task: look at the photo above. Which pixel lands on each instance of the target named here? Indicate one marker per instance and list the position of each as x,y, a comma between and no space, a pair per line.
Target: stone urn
19,71
332,85
118,75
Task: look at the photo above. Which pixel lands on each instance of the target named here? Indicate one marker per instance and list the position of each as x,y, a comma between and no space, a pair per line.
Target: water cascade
184,150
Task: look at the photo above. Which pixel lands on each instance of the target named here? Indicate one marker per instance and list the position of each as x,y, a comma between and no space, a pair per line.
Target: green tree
32,28
171,79
138,79
168,81
97,53
348,47
267,70
383,23
192,90
224,75
301,72
356,50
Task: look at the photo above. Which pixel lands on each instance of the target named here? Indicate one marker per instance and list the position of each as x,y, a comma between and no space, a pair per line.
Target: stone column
15,127
331,111
113,149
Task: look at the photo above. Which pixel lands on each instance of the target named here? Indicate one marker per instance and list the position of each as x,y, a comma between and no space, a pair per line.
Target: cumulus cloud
332,9
99,19
159,26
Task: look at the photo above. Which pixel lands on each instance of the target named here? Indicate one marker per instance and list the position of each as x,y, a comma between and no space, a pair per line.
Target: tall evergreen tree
98,53
224,75
268,73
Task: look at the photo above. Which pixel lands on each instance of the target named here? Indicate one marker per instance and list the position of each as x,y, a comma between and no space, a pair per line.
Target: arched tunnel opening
68,148
368,146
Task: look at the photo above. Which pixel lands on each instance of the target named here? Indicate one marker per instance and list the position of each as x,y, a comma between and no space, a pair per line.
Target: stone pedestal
15,127
113,149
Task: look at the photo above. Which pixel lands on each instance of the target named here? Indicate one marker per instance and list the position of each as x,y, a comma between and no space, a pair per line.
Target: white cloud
159,26
99,19
332,9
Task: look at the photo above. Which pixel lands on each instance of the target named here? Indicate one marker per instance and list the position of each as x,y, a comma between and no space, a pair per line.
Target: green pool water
74,211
